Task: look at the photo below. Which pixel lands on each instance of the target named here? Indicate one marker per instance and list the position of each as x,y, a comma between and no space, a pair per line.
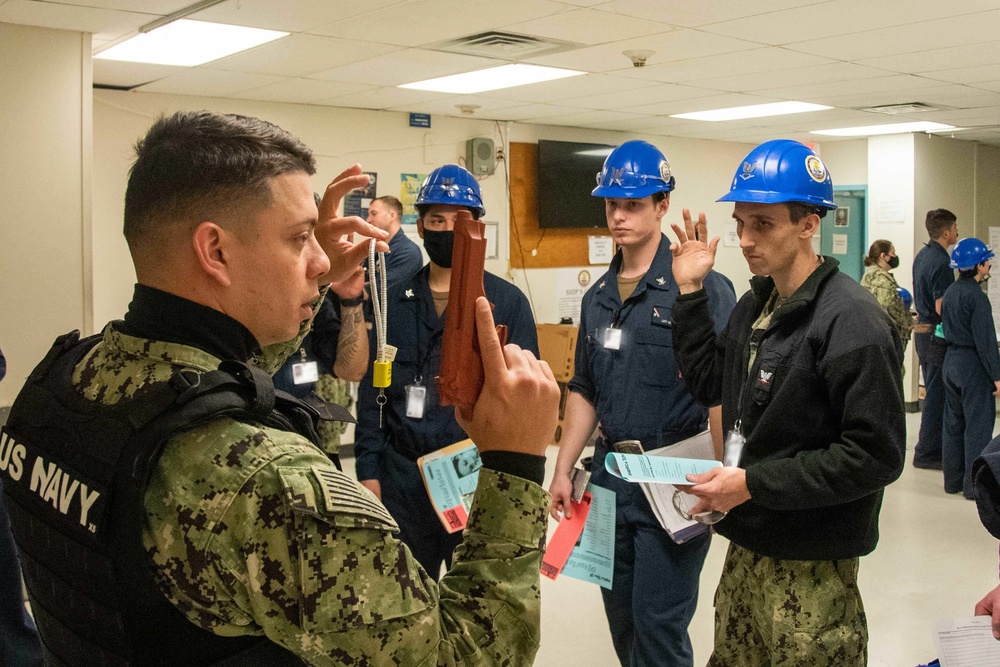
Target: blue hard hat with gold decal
452,184
782,171
634,170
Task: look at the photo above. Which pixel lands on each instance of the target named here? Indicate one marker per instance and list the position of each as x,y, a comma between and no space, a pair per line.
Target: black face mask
893,262
439,246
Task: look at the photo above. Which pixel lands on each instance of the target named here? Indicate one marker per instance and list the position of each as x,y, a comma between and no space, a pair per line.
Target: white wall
987,187
45,135
847,161
384,143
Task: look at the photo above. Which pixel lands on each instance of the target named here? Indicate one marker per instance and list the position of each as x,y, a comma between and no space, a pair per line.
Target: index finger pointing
489,343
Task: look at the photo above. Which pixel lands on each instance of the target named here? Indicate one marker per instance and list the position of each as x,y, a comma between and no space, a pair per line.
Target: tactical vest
75,473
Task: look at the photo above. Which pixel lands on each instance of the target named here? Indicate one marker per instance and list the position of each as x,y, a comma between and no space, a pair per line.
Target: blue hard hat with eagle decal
782,171
634,170
452,184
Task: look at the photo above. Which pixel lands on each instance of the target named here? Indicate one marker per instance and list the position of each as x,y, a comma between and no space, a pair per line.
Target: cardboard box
557,345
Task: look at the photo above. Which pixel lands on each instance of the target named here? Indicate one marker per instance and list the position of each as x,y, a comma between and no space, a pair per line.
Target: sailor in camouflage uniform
251,531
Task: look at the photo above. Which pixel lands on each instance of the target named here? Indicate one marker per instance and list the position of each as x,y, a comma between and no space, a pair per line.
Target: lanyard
384,354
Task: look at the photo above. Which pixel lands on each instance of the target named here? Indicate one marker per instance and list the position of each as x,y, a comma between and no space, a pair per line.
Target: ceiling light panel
752,111
890,128
494,78
188,43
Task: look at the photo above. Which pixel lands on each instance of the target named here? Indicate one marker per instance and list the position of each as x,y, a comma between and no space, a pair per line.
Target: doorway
843,232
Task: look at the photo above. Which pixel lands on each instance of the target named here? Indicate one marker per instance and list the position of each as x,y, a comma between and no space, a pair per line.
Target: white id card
415,397
305,372
612,339
733,450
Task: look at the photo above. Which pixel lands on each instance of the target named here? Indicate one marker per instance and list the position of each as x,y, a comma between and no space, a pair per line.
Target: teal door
842,233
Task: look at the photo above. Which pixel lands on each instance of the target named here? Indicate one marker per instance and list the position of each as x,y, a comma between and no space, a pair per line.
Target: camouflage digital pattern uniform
254,532
883,286
788,613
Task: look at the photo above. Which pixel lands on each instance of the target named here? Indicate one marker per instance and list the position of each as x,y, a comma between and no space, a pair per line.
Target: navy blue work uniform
319,345
402,261
19,642
932,275
971,368
389,453
637,394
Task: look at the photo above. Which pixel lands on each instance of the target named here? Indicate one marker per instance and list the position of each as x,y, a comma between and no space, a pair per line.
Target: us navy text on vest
53,482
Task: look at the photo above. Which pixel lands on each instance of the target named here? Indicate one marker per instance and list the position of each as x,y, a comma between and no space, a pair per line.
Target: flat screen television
567,172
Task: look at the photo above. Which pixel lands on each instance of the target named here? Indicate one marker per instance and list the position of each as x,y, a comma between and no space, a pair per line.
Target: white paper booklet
671,506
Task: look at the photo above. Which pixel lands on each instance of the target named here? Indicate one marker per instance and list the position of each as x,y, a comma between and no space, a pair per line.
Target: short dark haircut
798,210
423,208
878,247
938,221
197,165
660,196
969,273
391,202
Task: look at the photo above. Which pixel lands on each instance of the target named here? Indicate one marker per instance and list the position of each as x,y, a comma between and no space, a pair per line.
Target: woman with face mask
880,282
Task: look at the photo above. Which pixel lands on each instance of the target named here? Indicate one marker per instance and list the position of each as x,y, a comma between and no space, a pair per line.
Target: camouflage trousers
788,613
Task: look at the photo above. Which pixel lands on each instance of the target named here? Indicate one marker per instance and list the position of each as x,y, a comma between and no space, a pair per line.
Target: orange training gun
461,377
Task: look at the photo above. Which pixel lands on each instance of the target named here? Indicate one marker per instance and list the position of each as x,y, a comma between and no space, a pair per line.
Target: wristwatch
352,302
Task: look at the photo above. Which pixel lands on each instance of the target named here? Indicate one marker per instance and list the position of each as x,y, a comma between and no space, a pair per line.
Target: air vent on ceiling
906,107
502,45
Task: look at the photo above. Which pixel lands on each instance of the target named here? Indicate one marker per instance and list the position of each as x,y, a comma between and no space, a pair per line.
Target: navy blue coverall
19,642
932,275
389,453
637,394
971,367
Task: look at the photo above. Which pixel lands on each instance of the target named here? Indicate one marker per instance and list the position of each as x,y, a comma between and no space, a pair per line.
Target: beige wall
846,160
944,176
383,142
45,135
987,190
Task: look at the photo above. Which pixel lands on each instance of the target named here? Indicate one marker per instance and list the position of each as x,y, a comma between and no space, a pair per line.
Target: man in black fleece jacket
808,372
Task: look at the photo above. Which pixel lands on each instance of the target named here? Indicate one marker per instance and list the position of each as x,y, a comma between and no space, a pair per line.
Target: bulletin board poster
356,202
409,186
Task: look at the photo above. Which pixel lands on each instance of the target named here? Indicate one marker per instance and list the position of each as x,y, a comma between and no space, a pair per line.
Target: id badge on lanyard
612,338
416,398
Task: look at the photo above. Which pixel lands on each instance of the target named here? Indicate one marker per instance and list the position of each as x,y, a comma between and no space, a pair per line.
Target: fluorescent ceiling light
752,111
891,128
188,43
494,78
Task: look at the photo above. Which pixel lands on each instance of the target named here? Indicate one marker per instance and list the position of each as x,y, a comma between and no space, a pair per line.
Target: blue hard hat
969,253
782,171
634,170
905,295
452,184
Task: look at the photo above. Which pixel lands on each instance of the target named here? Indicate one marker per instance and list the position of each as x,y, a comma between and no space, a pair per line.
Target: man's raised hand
693,253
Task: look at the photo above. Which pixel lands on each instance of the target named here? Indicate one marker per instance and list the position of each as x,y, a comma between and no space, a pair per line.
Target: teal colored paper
593,558
656,469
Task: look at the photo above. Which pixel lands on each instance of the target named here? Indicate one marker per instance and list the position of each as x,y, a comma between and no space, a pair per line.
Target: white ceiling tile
449,105
521,113
692,14
705,103
799,76
972,75
381,98
107,24
128,75
955,31
405,66
668,47
564,89
303,91
581,3
209,82
288,15
586,26
937,59
841,17
300,55
745,62
652,124
816,93
159,7
426,21
658,93
964,117
581,119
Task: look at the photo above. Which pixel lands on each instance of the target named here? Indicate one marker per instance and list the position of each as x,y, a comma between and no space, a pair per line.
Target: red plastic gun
461,377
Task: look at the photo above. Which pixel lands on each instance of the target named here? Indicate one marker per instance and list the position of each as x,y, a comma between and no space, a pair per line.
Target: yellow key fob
382,374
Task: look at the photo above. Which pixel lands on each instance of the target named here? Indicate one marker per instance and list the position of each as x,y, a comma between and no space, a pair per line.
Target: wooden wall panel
553,247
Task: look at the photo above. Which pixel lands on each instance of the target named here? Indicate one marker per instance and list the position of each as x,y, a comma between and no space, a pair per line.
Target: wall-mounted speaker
480,156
